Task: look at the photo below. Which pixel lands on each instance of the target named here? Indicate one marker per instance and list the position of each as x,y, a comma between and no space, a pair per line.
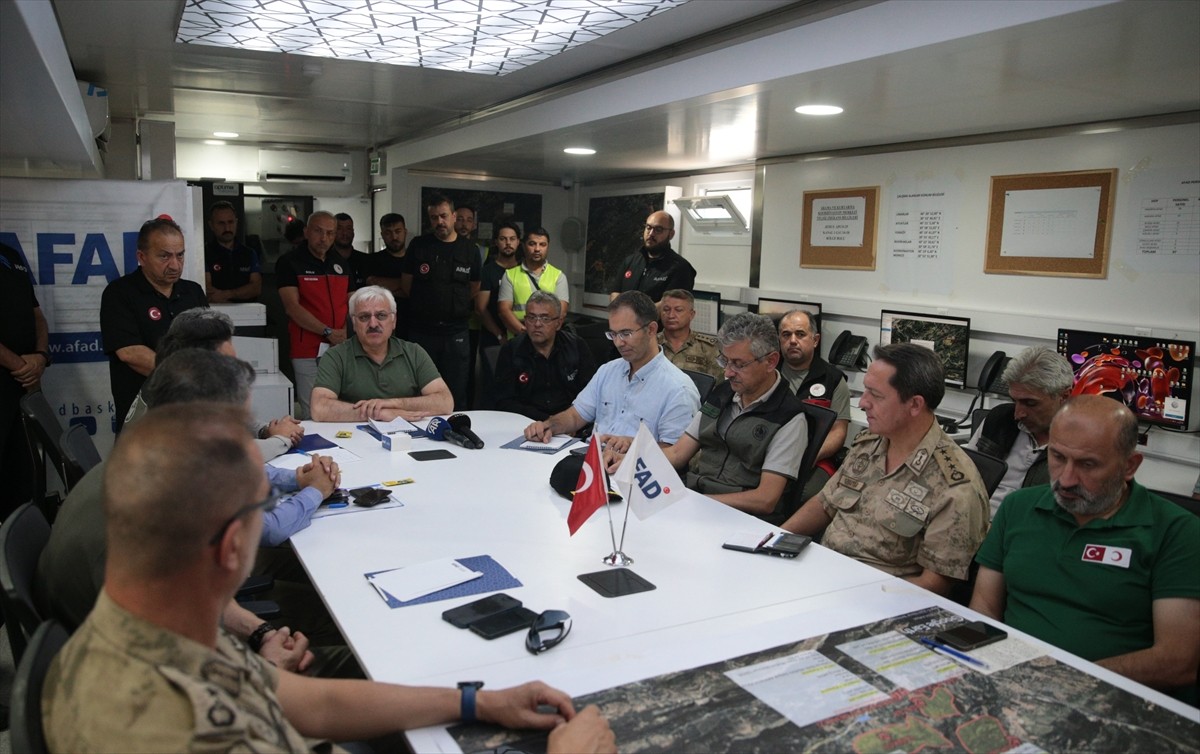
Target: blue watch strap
468,689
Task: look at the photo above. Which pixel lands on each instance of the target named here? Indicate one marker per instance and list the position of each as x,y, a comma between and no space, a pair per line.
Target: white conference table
710,603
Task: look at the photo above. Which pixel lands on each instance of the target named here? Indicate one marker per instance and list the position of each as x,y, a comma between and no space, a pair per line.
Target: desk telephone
848,351
991,377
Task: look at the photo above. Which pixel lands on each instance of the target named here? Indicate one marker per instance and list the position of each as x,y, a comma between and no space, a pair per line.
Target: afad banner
77,236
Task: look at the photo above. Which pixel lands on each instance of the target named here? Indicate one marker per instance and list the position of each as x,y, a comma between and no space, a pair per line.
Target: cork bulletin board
839,228
1057,224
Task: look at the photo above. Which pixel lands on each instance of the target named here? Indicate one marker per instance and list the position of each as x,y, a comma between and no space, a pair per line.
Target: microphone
461,423
439,429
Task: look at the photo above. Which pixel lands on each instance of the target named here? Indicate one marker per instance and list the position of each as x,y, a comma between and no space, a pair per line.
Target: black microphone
461,423
439,429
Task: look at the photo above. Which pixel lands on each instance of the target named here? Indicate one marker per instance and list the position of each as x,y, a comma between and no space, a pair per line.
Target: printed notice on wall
838,222
923,233
1163,231
1169,225
1059,223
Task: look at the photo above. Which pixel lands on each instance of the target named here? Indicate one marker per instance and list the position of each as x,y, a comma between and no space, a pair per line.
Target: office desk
710,603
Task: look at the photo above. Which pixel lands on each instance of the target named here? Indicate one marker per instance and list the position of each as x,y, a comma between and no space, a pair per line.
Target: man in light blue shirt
640,386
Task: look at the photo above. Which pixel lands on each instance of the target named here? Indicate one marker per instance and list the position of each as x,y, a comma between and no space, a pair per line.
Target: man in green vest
751,431
535,273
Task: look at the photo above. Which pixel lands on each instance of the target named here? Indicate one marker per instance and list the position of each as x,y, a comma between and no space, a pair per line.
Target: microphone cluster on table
455,430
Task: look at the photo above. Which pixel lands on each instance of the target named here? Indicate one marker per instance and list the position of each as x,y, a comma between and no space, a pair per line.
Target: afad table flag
591,491
646,478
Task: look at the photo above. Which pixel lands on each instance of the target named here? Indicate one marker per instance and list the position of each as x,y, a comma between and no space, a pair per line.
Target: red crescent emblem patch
216,268
424,269
628,273
523,378
154,313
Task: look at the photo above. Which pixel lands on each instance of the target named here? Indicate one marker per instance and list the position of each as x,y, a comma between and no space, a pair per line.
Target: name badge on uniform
1113,556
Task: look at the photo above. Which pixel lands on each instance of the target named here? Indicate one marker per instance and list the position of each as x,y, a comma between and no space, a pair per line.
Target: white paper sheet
420,579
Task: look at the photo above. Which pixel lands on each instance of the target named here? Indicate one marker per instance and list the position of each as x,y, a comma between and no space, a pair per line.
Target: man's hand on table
539,431
322,473
288,428
587,732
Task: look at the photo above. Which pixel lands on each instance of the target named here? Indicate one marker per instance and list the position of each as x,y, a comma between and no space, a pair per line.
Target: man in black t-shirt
137,309
441,279
231,270
24,357
655,268
386,268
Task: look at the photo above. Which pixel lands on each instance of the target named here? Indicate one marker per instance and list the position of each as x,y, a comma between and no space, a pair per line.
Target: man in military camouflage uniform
693,351
151,669
907,500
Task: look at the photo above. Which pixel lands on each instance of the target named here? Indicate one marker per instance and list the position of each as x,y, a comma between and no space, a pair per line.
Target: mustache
1074,489
375,329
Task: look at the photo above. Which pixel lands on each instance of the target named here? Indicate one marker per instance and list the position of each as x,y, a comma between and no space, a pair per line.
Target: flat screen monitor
775,308
1153,376
948,337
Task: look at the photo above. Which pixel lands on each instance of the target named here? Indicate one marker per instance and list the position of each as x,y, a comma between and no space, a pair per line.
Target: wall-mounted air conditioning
291,166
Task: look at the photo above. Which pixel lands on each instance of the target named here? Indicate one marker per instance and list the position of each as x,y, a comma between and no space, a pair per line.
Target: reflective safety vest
522,284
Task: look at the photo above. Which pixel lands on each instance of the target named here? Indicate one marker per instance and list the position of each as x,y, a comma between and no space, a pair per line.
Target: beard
1089,503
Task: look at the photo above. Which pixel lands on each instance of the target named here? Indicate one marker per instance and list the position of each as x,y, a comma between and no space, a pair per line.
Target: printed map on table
1036,706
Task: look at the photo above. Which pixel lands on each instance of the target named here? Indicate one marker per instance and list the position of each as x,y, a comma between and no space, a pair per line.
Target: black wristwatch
45,356
255,639
468,689
327,332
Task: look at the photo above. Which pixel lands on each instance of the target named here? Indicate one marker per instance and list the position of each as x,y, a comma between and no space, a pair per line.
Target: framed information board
1051,223
839,228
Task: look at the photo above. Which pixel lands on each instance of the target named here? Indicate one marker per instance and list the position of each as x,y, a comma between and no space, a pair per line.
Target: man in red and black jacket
314,286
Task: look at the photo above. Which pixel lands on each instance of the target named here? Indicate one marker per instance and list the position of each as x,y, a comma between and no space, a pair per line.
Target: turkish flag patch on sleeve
1113,556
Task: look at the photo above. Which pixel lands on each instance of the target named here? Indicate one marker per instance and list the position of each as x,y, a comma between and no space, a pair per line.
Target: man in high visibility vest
535,273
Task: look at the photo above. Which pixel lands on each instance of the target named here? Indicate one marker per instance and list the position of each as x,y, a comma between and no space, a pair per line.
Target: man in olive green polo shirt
374,375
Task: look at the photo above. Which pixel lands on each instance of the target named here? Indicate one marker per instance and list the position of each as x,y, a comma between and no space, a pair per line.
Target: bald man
1093,562
655,268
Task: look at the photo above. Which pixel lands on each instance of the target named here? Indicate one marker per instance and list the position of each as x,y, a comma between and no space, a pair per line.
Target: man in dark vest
1039,381
540,372
751,431
816,381
655,268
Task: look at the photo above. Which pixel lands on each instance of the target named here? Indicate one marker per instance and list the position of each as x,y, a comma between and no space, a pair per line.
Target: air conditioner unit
291,166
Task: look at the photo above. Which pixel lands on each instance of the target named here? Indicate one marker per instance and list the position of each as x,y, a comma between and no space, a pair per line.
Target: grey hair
756,328
919,371
639,303
1042,369
193,374
545,297
372,293
201,327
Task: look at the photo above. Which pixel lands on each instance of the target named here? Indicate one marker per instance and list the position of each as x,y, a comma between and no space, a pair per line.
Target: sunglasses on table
547,631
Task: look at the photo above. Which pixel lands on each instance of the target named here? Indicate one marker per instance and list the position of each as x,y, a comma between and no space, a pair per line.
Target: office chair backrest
44,434
25,721
991,469
819,420
79,454
704,382
22,539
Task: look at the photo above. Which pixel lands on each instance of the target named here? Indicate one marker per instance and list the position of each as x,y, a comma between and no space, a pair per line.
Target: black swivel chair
22,539
704,382
44,435
820,420
25,722
79,454
991,469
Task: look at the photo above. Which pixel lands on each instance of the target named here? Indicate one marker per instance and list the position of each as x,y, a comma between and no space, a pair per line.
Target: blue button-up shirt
293,513
659,393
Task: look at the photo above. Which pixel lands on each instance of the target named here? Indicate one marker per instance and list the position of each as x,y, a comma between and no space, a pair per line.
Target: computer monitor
948,337
775,308
1153,376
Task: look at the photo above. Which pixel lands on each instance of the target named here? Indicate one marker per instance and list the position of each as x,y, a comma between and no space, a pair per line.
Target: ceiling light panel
476,36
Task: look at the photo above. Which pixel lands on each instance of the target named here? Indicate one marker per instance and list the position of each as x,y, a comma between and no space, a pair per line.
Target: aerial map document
872,689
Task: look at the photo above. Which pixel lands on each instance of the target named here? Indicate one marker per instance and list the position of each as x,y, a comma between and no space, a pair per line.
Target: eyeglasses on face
266,504
656,229
547,631
735,365
365,317
623,334
540,319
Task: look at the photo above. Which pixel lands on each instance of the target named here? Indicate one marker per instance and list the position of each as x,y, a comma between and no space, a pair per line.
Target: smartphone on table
464,615
971,635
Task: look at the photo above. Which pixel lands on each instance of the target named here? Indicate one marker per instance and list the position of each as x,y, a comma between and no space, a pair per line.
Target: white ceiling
699,87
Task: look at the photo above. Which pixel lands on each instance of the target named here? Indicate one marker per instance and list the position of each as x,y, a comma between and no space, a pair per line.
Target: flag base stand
617,559
617,582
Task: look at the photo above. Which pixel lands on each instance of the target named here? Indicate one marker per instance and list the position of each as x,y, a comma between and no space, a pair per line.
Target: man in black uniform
231,270
540,372
136,310
441,279
386,268
23,354
655,268
506,237
343,244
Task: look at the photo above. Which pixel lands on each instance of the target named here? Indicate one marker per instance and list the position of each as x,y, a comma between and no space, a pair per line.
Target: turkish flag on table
591,492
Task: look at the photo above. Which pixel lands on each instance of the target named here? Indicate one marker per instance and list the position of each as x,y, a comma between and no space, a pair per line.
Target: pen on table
954,653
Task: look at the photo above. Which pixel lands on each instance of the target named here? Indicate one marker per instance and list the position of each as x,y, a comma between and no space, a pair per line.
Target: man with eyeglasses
137,309
374,375
153,669
540,372
533,274
656,267
640,386
751,431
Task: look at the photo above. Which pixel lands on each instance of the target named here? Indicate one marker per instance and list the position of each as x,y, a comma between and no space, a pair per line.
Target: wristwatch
45,356
468,689
327,332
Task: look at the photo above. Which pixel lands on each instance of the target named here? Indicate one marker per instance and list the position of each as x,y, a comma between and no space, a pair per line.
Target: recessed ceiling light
225,134
579,150
214,142
818,109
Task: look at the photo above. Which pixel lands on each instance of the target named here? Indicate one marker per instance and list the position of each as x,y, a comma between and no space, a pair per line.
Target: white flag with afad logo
646,478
